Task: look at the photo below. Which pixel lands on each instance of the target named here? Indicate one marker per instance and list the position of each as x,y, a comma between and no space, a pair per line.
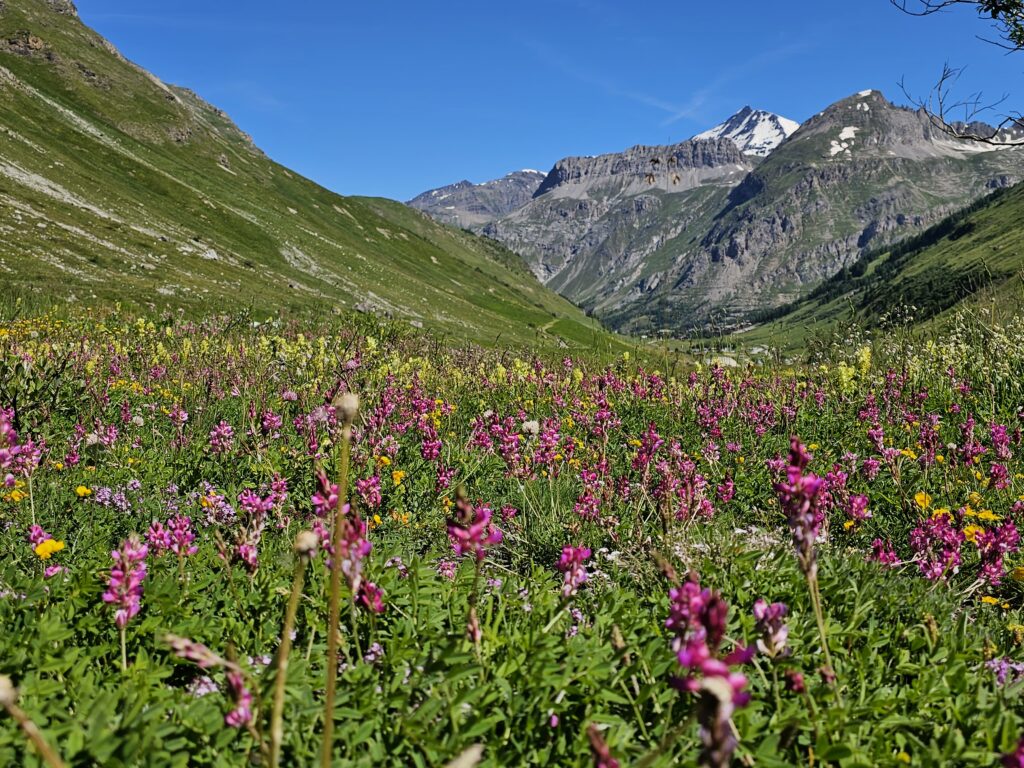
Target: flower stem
124,650
280,679
819,616
334,612
31,730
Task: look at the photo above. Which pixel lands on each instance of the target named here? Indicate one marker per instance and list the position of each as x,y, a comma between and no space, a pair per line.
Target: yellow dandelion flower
83,491
46,549
922,499
989,600
988,514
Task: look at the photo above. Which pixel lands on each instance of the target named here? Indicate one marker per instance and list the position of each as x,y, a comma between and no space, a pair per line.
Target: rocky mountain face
754,131
659,239
860,175
595,222
465,204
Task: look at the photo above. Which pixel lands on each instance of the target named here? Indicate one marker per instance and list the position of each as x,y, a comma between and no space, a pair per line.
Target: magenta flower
37,535
222,438
241,715
698,618
937,544
599,750
471,530
993,544
883,552
447,568
773,631
572,564
124,589
326,497
1014,759
800,495
369,491
371,597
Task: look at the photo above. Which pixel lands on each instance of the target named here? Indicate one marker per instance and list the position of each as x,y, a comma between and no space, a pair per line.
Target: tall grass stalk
348,405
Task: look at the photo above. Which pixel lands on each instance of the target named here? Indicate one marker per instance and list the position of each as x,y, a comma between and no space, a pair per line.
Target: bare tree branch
963,118
1007,15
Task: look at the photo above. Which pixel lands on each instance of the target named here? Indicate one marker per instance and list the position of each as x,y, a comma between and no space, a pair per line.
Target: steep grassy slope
116,186
972,258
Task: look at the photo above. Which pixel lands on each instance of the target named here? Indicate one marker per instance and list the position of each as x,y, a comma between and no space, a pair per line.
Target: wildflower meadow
227,542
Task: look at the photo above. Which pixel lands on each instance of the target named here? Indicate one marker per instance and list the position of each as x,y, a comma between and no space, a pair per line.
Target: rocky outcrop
594,224
63,7
680,166
468,205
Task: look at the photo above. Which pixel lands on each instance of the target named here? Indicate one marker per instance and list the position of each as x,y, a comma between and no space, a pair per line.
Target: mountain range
116,186
747,216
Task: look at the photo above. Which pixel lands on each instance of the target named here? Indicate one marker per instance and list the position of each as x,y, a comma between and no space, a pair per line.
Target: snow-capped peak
754,131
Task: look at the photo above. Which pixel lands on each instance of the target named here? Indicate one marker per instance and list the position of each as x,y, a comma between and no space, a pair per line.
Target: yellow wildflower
398,476
17,496
46,549
971,532
83,491
989,600
923,499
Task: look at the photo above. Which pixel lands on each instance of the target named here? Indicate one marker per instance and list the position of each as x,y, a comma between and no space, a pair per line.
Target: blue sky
393,97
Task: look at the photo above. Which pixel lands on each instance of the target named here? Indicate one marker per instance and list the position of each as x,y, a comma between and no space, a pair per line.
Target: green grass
113,187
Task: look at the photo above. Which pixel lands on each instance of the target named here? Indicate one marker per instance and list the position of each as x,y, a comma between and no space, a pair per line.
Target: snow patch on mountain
754,131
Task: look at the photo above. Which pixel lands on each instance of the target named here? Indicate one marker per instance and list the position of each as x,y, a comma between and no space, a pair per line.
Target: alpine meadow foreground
543,561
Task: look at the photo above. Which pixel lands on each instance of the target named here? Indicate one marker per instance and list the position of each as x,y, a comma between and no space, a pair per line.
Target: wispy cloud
699,103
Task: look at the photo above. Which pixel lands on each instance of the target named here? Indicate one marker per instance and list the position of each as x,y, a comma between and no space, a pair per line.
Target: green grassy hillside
116,186
970,259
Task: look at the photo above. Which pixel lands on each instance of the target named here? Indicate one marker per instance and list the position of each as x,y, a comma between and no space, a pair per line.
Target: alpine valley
118,187
745,217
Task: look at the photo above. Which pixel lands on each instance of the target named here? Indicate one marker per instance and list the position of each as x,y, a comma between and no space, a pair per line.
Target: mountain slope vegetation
972,259
117,186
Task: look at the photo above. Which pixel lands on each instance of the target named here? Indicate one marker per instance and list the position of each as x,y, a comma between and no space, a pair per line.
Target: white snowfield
754,131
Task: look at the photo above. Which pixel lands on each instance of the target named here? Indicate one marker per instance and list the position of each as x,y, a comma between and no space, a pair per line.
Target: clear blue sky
393,97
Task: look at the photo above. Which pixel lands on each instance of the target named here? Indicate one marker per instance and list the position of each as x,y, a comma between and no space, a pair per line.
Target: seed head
347,405
306,544
8,693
